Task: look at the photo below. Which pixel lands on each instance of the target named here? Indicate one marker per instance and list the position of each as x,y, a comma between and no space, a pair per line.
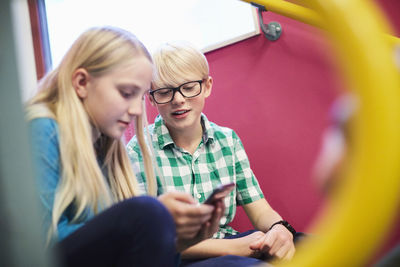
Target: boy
196,155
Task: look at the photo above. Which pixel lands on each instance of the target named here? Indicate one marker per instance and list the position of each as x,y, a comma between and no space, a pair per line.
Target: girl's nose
136,108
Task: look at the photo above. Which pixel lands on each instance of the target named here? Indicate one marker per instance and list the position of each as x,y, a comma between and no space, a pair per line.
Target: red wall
276,96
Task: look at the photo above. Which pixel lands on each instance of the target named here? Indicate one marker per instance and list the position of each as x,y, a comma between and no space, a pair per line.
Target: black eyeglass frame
176,89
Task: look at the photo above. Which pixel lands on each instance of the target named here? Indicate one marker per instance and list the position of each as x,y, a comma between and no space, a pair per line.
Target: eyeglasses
187,90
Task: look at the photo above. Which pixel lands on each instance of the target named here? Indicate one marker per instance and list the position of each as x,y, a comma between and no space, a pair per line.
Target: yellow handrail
303,14
360,213
393,40
290,10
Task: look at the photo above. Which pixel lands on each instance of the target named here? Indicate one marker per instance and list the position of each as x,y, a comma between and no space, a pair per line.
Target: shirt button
198,196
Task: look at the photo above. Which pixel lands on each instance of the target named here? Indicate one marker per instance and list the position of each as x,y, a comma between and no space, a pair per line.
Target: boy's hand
193,222
242,246
277,242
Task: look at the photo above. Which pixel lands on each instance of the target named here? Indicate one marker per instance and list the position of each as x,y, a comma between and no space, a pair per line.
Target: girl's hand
207,230
194,222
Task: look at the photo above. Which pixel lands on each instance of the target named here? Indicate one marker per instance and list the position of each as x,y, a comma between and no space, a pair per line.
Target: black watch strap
287,225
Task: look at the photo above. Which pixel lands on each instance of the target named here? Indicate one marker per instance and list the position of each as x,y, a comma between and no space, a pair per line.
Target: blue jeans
136,232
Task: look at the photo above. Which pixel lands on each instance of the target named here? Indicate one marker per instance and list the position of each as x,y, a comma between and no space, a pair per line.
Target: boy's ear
80,80
208,86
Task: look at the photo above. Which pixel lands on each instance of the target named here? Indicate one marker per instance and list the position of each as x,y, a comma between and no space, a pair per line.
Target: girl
84,176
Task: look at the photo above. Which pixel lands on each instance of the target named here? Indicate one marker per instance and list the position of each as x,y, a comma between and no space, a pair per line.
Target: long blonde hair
82,183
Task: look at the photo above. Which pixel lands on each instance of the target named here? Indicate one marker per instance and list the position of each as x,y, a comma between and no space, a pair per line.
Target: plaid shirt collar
164,139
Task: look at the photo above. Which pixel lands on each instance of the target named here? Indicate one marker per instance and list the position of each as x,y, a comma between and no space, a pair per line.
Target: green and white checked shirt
220,158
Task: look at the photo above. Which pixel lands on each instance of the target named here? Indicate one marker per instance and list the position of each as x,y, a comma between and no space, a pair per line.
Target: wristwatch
286,224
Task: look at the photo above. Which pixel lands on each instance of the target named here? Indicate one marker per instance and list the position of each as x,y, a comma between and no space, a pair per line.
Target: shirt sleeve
46,159
247,185
135,157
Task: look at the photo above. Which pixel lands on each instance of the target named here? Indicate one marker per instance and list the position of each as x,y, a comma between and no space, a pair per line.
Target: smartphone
219,193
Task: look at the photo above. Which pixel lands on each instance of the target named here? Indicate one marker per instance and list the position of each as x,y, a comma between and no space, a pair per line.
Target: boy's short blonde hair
177,61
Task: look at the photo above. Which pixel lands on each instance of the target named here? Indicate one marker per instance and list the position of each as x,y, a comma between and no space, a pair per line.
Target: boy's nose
178,97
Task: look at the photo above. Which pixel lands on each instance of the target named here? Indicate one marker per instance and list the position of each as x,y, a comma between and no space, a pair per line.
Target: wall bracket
273,30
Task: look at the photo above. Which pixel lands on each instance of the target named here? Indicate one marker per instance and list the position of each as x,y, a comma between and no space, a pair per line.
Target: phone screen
220,193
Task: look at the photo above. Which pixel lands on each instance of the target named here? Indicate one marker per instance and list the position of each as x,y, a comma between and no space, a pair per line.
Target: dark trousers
136,232
233,260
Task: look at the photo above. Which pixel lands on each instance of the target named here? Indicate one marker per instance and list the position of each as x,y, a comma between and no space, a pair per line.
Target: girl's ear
80,80
208,86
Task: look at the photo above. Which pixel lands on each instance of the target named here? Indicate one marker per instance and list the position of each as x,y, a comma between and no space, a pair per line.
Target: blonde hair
82,184
175,61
